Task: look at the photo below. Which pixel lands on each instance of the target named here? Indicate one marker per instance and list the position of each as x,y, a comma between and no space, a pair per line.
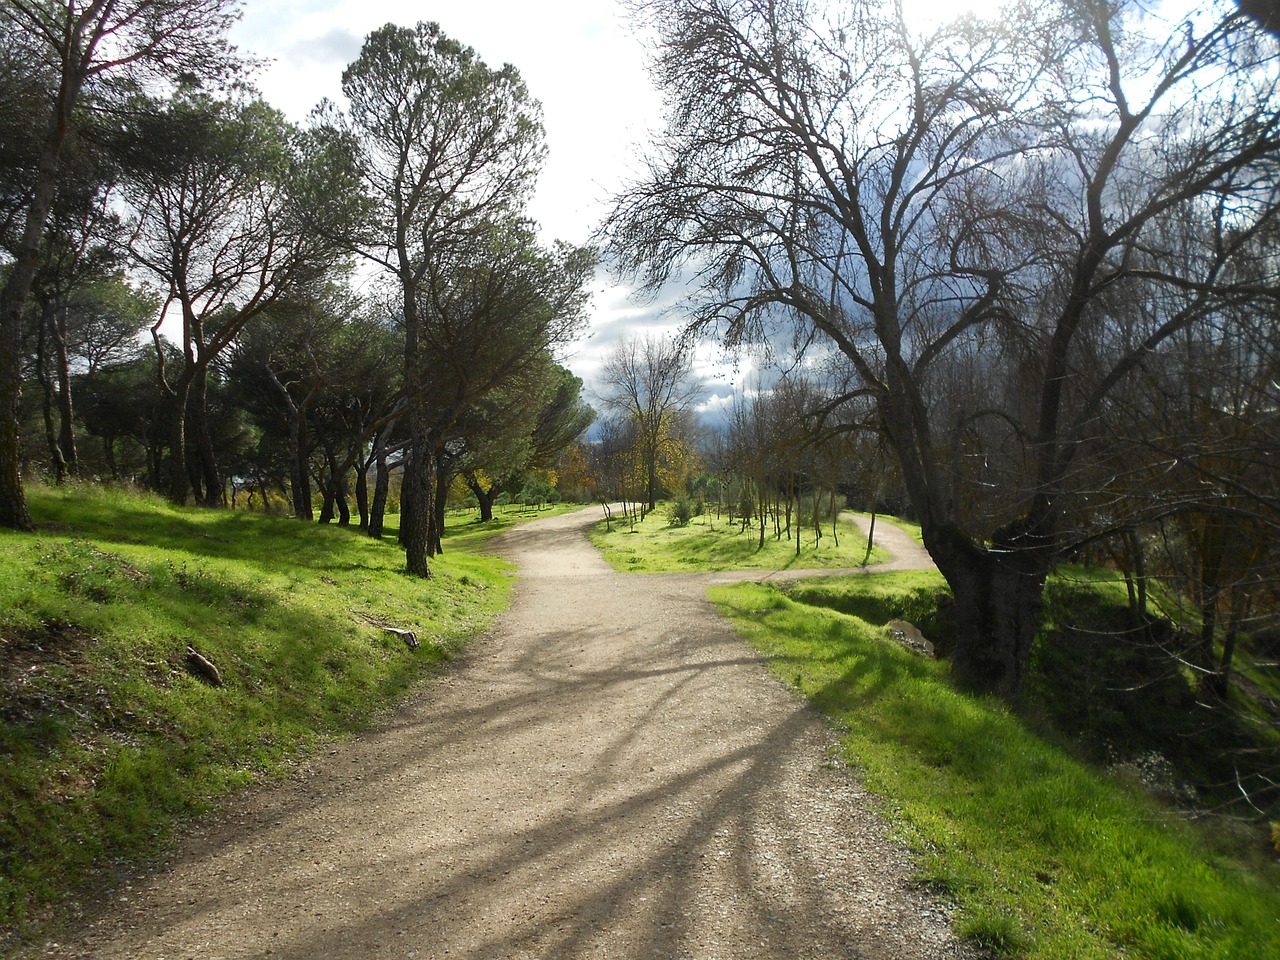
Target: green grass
1046,857
707,544
107,740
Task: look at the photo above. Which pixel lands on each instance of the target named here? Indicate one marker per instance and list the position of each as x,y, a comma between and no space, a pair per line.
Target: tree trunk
328,503
179,482
66,412
442,500
299,446
871,535
299,469
417,508
210,476
484,497
46,404
381,486
1212,554
651,493
17,291
362,493
999,594
109,455
13,502
340,498
1220,680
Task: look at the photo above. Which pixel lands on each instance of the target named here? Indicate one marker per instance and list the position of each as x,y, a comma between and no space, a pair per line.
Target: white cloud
333,48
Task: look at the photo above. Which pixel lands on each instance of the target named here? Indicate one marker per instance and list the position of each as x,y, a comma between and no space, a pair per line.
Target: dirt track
611,773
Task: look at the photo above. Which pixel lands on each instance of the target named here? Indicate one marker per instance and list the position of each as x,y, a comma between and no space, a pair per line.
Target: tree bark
66,411
109,455
210,476
484,497
381,486
329,486
417,509
999,594
46,405
340,498
15,295
299,469
179,481
362,492
437,517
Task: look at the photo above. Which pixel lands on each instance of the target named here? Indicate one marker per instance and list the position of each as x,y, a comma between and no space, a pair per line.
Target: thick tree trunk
328,503
299,469
416,496
999,594
417,508
13,503
483,497
46,404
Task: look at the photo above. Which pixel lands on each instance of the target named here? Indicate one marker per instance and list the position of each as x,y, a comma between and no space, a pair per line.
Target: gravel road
609,773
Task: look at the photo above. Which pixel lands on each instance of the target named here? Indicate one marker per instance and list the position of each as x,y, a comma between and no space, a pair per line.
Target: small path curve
610,773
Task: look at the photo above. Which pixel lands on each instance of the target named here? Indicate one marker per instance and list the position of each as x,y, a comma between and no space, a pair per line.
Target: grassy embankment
653,545
1046,855
106,738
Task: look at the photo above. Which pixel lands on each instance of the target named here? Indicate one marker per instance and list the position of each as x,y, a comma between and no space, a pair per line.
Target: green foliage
535,493
1045,856
107,738
680,511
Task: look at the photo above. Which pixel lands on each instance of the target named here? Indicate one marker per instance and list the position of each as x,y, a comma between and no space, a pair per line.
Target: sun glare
929,12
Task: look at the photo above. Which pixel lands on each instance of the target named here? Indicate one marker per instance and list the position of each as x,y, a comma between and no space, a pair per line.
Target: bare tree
648,381
985,194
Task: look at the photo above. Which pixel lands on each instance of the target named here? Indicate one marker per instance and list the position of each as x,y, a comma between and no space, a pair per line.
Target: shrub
680,512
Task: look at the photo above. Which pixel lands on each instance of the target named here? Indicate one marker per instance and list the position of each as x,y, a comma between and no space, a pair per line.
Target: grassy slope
706,544
1047,857
106,738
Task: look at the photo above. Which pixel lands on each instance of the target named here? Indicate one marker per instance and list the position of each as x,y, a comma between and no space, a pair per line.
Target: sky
580,58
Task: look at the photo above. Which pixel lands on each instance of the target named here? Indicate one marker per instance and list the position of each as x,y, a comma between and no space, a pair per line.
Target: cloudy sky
580,58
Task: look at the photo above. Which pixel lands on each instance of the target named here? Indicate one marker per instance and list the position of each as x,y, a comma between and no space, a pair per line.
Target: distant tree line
180,267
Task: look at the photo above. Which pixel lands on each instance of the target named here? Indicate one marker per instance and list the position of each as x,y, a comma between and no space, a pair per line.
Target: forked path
610,773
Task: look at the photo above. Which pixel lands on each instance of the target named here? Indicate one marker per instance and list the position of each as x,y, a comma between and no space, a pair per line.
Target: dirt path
611,773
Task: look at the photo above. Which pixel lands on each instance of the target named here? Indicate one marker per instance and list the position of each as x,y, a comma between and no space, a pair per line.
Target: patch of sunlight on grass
653,545
1046,857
